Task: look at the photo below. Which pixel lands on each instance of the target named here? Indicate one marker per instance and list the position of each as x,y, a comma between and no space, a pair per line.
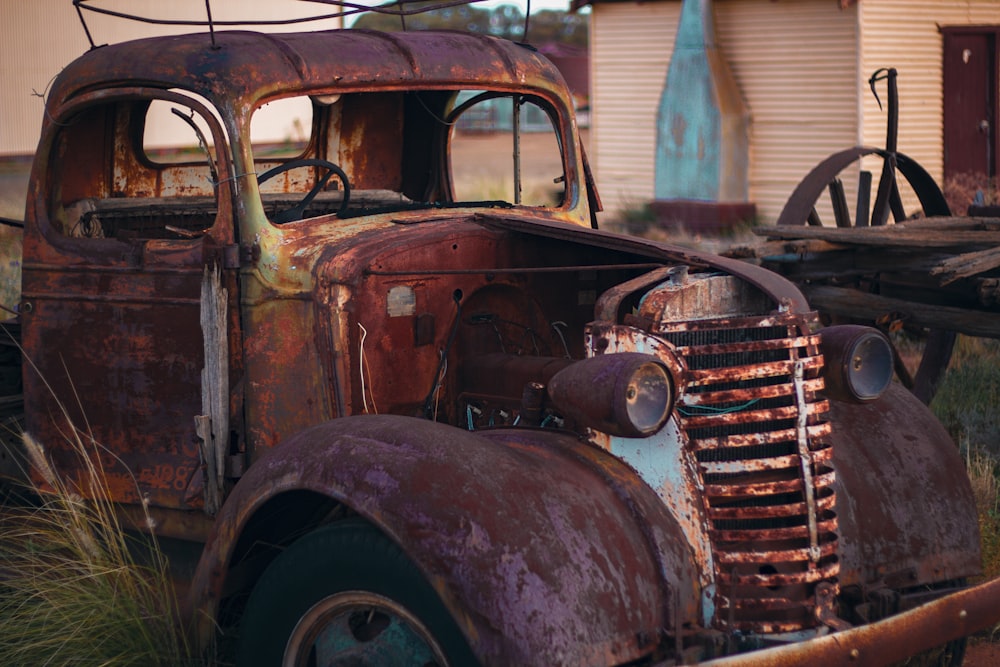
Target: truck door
129,239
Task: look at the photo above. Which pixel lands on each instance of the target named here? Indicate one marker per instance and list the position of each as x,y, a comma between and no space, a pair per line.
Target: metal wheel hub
358,629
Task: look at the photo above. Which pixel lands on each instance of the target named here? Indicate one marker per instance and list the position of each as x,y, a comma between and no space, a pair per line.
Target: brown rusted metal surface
557,554
880,513
573,547
247,62
764,460
783,293
753,417
891,640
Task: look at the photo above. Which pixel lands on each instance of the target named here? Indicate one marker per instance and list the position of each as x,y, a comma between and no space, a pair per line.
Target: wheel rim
800,210
358,628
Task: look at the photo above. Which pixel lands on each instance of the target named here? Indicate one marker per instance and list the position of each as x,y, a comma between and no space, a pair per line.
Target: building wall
905,34
630,46
794,60
41,37
803,67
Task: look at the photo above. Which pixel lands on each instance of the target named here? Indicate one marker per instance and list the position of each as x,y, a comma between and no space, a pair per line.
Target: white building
802,66
43,36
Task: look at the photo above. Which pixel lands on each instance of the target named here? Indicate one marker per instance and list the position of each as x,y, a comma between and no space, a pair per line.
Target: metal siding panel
800,114
31,56
630,50
796,119
905,34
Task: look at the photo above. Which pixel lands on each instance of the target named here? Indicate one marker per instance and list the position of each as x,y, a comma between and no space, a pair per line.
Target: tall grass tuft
966,404
75,587
983,470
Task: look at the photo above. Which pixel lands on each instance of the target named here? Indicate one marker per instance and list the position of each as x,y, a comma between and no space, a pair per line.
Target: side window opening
505,147
153,170
173,134
282,129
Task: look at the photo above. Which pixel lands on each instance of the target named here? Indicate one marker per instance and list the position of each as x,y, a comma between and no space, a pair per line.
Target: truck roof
252,64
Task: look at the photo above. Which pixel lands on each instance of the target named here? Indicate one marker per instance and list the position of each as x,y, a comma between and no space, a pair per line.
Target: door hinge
231,257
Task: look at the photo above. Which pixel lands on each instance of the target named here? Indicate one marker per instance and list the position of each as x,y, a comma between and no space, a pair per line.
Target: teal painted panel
702,126
688,131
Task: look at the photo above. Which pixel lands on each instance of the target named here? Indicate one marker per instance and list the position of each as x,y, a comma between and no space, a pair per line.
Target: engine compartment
477,314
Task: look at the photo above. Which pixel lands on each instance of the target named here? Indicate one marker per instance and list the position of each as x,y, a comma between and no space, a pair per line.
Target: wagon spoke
838,200
864,198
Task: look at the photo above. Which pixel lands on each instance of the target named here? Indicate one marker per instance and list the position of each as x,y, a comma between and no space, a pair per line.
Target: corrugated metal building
802,66
41,37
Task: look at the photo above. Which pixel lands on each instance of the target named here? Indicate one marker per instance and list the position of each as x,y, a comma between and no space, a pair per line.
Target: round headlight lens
870,367
627,394
648,398
858,362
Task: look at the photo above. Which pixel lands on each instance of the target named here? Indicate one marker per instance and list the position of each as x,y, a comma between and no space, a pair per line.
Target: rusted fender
888,641
545,549
905,507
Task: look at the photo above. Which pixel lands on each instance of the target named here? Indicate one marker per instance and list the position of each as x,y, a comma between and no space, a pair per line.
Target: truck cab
377,408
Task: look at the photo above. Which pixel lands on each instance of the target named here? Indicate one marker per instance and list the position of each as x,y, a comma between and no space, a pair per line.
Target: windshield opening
374,152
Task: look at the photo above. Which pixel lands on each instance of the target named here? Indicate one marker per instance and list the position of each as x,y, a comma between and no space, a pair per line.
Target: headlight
858,362
627,394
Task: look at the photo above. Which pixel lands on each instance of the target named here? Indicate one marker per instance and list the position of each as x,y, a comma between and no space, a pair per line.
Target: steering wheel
298,211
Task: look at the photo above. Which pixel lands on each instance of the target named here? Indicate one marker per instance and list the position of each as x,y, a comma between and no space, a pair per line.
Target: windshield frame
127,134
560,116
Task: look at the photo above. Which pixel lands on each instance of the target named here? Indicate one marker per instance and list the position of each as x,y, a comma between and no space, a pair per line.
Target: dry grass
967,404
962,190
75,587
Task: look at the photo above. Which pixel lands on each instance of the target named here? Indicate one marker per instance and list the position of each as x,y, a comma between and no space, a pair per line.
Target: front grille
756,424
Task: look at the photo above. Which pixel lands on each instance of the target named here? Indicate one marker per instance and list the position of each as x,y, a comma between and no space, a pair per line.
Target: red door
970,106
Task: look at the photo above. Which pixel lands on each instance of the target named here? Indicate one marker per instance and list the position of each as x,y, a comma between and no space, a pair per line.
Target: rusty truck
379,413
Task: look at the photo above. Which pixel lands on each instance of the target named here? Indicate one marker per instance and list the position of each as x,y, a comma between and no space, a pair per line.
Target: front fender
545,549
905,507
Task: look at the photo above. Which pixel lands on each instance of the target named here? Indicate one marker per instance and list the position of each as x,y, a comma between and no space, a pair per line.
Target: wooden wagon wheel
801,210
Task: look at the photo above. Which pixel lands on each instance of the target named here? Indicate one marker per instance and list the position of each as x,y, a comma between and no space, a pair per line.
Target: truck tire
344,594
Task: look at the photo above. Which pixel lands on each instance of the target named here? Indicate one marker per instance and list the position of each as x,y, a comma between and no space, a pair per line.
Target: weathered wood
213,494
852,303
839,202
782,248
967,265
848,265
213,425
956,223
887,236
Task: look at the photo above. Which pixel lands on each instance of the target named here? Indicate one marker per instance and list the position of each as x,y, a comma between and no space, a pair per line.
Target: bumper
889,640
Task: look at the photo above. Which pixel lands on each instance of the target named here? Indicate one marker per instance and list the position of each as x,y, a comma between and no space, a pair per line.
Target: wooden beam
887,236
852,303
967,265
